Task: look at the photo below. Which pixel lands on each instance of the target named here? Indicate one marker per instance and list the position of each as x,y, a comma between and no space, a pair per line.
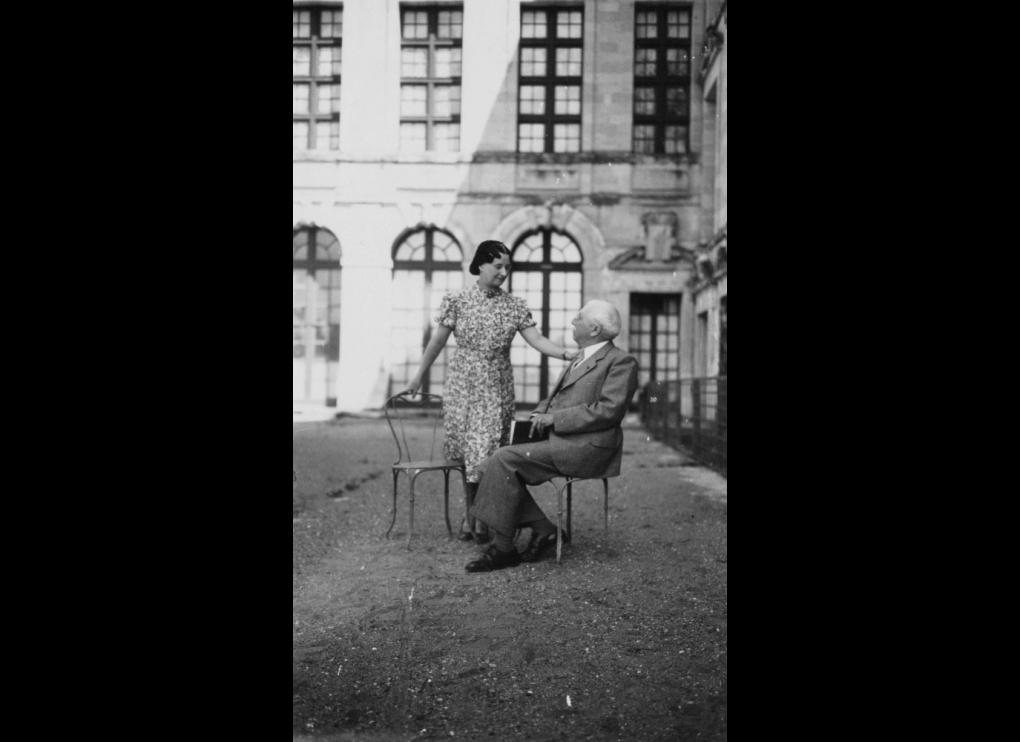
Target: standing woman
478,403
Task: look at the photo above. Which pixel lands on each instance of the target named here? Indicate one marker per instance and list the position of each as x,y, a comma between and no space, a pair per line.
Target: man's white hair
605,315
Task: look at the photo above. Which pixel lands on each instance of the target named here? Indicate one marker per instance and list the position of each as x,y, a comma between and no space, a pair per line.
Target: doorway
655,336
316,321
547,273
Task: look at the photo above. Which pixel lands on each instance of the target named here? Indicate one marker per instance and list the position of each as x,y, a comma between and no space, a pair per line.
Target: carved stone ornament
660,234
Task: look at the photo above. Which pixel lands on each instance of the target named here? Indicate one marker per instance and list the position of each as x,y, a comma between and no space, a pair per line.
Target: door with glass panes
655,336
546,271
316,320
427,264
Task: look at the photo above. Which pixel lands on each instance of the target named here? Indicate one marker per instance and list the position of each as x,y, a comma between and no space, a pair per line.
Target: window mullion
429,134
654,344
659,144
543,361
430,74
550,106
426,305
550,73
430,58
313,58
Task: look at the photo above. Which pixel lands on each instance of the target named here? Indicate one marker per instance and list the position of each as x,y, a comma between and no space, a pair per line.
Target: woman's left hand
571,354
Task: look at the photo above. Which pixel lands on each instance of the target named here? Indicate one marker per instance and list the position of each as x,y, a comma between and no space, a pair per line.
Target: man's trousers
503,502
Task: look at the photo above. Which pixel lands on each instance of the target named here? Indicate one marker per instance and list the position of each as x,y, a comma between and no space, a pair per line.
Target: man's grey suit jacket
588,406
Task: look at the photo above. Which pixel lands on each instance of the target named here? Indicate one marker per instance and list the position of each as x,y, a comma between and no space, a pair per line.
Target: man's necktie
575,365
566,377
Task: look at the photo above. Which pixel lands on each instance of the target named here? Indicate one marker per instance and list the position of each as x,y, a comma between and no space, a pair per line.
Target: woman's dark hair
487,252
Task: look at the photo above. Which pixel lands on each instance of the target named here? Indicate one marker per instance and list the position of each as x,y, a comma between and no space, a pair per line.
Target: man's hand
539,422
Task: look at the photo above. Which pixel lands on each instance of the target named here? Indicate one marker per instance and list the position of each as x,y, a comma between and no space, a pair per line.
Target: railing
688,414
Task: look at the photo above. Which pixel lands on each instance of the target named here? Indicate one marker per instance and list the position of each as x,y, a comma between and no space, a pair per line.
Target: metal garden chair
415,424
568,487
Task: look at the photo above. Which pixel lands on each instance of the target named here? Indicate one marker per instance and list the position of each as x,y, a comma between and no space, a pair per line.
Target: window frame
662,81
428,266
431,81
317,263
545,267
550,80
315,43
646,344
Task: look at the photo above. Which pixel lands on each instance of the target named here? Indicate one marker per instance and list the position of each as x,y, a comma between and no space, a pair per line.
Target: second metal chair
415,427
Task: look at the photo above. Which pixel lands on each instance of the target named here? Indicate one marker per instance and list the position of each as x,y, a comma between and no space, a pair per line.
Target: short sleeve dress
478,398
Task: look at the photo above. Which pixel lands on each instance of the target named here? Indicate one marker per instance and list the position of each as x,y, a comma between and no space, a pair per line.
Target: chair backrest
415,425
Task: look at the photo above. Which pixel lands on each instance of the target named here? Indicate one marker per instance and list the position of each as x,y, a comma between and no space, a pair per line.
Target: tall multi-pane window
549,93
662,72
316,314
430,71
426,265
318,31
546,272
655,336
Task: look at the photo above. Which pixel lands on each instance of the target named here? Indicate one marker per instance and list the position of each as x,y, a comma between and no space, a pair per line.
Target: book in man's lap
521,429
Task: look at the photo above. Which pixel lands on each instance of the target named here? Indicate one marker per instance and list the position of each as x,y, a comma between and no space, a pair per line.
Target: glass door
547,275
316,318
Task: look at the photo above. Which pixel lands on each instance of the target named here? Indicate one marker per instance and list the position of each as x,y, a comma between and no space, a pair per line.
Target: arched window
316,314
427,263
546,273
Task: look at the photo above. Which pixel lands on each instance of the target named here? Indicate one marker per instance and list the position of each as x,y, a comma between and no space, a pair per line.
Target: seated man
583,417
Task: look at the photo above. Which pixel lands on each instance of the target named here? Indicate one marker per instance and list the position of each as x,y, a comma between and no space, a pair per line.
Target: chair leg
446,500
410,521
469,500
605,504
393,516
570,504
559,518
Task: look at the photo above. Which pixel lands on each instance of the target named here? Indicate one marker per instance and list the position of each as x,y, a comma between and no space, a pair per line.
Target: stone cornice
598,157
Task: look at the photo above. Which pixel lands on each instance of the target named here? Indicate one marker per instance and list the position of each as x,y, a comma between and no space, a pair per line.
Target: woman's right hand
413,387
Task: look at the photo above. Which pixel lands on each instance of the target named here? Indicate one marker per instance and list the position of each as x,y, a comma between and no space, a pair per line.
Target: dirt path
626,639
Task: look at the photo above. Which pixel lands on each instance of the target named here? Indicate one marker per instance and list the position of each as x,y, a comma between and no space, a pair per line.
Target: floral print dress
478,400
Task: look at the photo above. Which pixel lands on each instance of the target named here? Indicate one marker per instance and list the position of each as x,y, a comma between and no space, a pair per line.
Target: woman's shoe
464,534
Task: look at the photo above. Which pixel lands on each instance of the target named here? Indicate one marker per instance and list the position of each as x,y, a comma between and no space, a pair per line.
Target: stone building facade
708,283
589,136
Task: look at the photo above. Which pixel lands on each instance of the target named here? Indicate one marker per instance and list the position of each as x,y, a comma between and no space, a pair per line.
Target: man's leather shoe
540,546
492,559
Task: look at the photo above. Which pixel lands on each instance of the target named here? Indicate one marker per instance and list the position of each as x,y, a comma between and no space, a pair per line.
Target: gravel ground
625,640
